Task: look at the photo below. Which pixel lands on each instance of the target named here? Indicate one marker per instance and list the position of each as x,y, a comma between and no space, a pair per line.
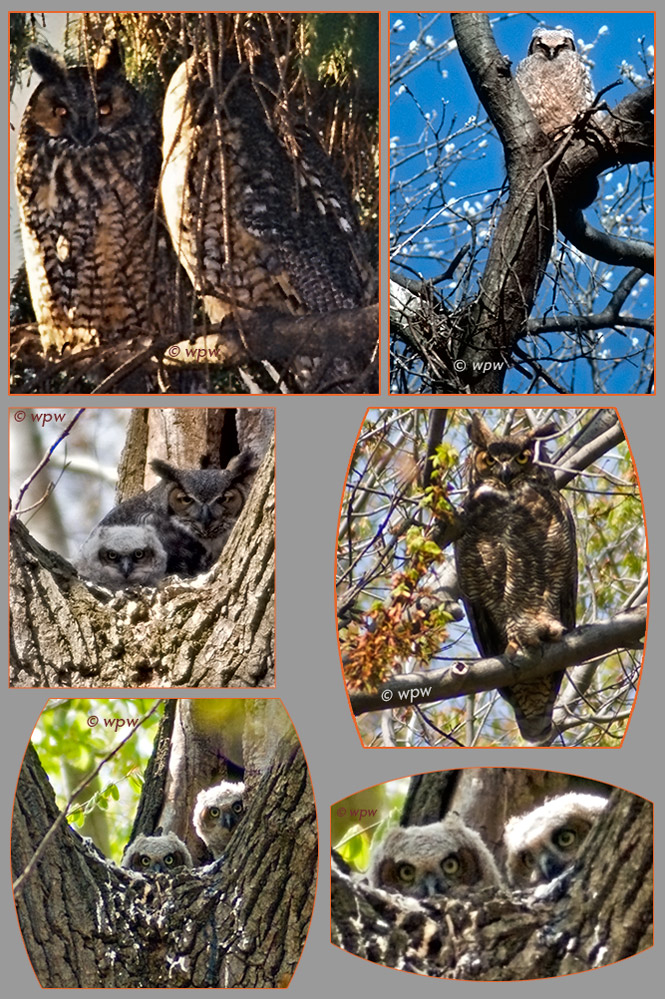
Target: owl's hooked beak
126,565
550,865
505,473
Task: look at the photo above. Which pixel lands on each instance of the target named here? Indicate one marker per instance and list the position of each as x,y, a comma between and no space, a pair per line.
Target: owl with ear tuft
517,562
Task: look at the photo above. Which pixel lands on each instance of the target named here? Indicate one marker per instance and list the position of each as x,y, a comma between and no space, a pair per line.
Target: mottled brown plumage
517,562
86,172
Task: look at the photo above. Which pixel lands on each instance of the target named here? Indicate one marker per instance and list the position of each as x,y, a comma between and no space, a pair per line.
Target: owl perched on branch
86,173
422,861
258,213
517,562
554,79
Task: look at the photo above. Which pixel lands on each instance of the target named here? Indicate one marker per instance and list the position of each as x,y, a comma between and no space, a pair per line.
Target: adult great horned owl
421,861
180,526
517,562
545,841
258,215
157,854
86,172
217,812
553,78
119,556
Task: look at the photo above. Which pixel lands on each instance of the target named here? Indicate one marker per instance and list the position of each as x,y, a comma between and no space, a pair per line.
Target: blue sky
439,94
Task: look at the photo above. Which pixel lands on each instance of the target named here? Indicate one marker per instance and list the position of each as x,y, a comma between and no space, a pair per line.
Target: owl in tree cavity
258,214
422,861
122,556
86,173
217,812
517,562
157,854
554,79
180,526
544,842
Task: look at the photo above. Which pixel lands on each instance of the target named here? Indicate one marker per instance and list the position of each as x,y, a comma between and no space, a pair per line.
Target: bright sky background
442,89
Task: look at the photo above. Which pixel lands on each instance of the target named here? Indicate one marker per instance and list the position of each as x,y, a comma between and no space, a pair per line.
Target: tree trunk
240,923
214,630
596,913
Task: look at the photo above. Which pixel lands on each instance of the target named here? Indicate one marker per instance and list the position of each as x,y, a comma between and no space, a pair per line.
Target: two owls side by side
423,861
180,526
217,812
257,218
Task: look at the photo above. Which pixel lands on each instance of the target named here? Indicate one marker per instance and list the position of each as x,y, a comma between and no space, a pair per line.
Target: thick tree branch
589,641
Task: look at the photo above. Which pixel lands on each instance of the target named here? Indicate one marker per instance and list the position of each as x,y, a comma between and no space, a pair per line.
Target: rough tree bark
598,912
214,630
238,923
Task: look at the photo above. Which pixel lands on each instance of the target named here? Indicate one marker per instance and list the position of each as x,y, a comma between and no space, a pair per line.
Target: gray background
315,437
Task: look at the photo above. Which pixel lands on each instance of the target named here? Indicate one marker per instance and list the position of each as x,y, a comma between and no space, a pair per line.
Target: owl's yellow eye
527,859
104,109
565,837
168,859
237,806
406,873
145,860
523,458
60,111
486,456
450,865
214,812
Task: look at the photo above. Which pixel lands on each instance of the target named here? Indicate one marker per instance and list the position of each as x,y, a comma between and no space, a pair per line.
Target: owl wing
482,573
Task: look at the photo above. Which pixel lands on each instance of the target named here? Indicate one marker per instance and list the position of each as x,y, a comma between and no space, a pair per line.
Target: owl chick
157,854
517,562
421,861
86,172
554,79
217,812
544,842
120,556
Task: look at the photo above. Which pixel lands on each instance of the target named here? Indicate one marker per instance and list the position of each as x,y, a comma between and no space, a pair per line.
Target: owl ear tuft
47,65
164,470
479,432
109,60
242,464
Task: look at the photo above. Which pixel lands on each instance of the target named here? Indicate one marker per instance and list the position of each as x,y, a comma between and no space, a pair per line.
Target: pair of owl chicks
423,861
180,526
217,812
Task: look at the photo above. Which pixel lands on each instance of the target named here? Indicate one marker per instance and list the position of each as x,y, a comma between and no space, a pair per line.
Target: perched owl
217,812
544,842
120,556
517,562
258,215
421,861
86,173
554,80
157,854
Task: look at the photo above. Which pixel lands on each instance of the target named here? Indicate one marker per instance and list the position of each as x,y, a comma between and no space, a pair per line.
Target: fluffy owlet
258,215
179,526
553,78
421,861
544,842
157,854
86,172
121,556
217,812
517,562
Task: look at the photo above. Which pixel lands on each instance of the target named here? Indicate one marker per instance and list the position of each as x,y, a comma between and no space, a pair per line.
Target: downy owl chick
545,841
554,79
421,861
217,812
157,854
121,556
87,167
